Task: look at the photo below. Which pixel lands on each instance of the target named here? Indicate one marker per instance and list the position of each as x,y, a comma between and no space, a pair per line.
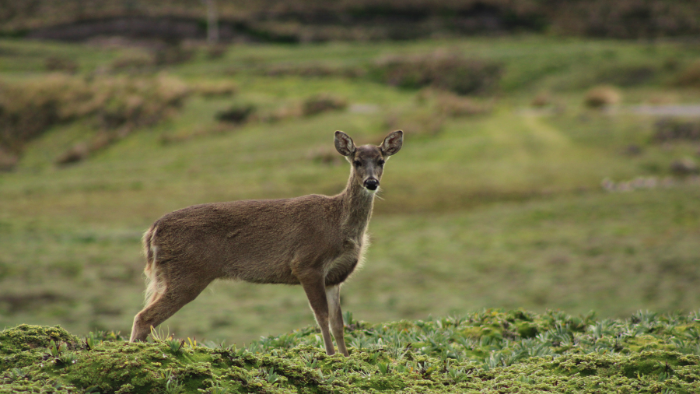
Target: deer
315,241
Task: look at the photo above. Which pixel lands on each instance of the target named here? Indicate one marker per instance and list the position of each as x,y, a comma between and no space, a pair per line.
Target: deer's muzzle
371,184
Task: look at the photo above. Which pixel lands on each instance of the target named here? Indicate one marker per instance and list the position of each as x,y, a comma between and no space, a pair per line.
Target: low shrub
447,72
116,105
601,97
322,103
236,114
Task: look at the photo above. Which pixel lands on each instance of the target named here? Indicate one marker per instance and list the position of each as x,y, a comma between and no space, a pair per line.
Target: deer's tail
154,281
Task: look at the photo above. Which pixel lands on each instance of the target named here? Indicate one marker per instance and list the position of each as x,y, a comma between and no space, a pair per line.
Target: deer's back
252,240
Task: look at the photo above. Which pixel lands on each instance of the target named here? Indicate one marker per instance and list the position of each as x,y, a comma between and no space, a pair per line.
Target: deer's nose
371,183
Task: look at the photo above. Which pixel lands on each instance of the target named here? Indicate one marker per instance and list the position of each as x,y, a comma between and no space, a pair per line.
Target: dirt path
671,110
684,110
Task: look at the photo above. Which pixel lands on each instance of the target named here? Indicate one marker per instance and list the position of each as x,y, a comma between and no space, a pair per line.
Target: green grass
492,351
498,210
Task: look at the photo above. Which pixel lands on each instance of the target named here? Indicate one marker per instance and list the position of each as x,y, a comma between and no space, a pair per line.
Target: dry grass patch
602,97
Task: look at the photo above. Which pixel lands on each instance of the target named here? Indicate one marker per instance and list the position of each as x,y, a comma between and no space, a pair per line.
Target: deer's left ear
392,143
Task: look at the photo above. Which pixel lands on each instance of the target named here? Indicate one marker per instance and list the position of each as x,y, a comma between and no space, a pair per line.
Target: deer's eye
381,163
358,163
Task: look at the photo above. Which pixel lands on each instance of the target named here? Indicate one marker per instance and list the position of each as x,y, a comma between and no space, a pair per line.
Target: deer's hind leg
172,294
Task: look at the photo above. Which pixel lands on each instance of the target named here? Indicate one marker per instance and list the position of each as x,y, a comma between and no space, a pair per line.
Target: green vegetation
490,351
491,203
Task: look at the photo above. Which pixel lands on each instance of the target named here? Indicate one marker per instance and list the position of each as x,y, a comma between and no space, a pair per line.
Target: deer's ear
344,144
392,143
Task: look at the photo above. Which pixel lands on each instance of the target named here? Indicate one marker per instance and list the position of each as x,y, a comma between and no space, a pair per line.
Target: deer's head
368,160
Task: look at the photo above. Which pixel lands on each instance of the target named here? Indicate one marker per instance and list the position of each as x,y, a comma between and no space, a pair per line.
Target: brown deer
315,241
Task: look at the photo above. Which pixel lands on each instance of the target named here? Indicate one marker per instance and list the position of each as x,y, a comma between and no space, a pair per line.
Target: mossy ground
490,351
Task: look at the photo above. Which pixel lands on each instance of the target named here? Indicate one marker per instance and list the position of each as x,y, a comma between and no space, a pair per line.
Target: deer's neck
357,204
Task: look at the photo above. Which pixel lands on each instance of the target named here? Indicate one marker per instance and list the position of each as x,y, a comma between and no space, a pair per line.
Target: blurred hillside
314,20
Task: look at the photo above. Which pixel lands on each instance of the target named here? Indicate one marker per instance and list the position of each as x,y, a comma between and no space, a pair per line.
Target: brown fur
315,241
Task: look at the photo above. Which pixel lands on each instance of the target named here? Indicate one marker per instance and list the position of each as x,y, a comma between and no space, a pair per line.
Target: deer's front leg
315,288
336,316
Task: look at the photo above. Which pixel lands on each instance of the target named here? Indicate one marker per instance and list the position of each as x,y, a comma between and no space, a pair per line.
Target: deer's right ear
344,144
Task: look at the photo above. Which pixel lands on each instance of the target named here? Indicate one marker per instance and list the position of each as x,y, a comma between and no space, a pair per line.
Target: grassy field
499,209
